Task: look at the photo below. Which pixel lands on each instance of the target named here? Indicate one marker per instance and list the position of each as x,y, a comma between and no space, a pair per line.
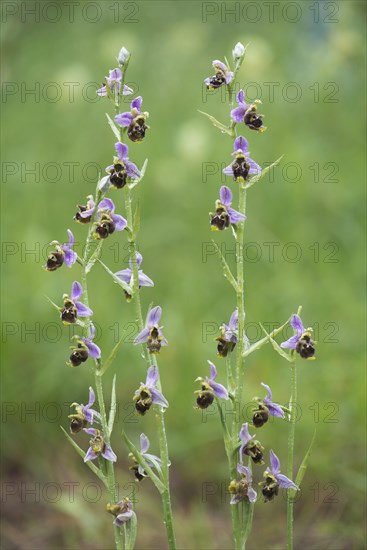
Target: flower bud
123,56
238,51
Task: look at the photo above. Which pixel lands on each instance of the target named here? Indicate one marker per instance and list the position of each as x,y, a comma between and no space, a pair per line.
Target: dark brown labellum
118,176
224,347
204,399
305,346
137,129
240,168
78,356
54,261
220,220
216,81
253,120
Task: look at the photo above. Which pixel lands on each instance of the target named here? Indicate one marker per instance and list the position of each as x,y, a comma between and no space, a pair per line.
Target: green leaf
53,304
118,281
94,257
111,416
260,343
277,348
130,532
303,467
222,127
113,127
226,270
108,362
90,464
263,172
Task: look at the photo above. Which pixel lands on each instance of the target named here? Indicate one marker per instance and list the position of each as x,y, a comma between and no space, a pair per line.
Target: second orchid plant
100,217
245,453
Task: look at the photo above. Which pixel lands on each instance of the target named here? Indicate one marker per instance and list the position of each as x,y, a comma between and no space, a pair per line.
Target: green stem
99,385
240,302
151,361
292,429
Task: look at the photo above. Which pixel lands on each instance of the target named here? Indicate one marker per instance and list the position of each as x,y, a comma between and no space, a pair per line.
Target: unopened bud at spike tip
123,56
238,51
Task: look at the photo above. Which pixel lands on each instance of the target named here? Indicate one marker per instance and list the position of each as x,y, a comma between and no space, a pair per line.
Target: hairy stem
110,474
292,429
151,361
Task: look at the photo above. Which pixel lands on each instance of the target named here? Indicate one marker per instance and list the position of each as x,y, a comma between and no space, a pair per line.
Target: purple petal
291,343
90,455
132,170
297,324
136,103
144,443
144,280
240,97
220,65
234,216
93,350
92,331
71,239
122,150
89,211
92,397
127,90
213,371
274,463
154,316
238,114
254,167
123,518
270,395
225,195
285,482
219,390
102,91
124,119
106,204
108,453
244,470
115,74
228,171
233,322
76,290
229,77
251,494
240,143
83,310
142,336
152,377
244,434
125,275
274,409
90,431
139,259
70,257
241,469
119,221
153,460
88,414
164,340
158,398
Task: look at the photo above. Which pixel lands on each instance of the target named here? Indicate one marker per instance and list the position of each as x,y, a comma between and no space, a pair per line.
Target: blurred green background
314,200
